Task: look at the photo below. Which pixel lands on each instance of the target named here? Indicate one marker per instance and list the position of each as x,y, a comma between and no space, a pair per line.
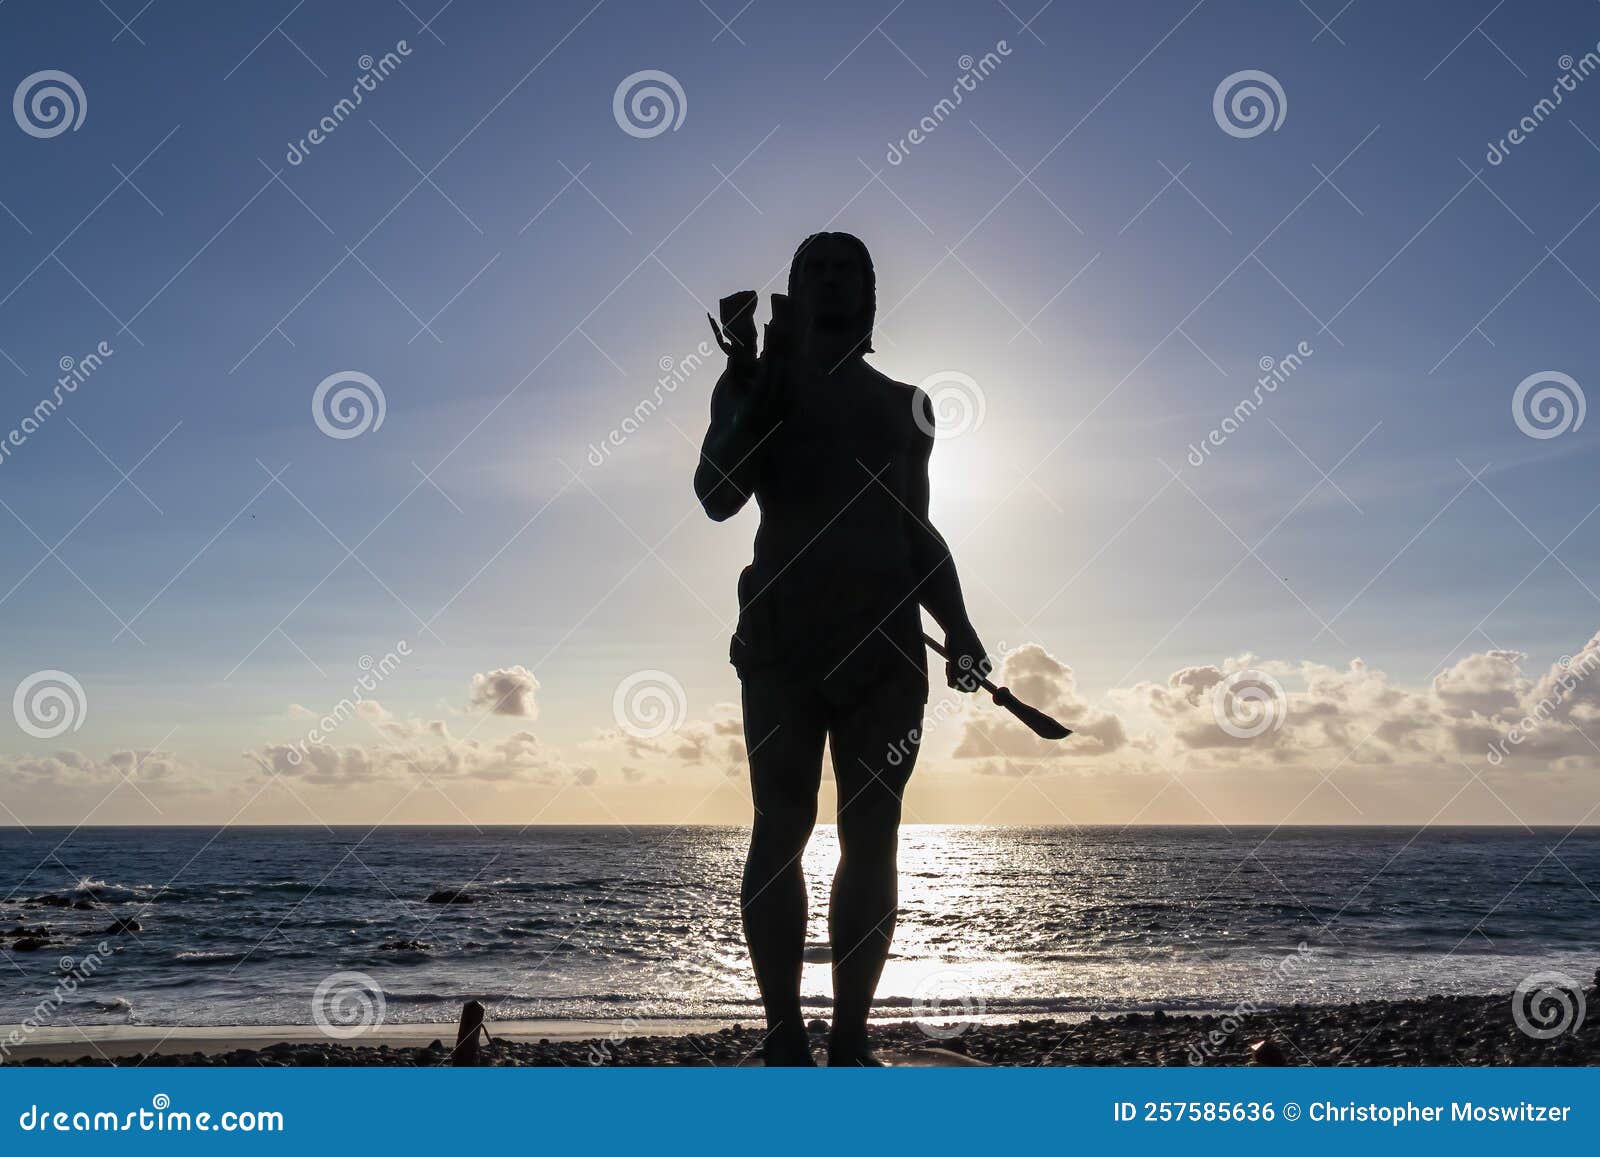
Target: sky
1261,453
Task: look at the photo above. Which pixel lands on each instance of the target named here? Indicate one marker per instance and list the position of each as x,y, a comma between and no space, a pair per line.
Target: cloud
69,770
423,751
364,743
1574,685
1355,715
506,691
1319,717
1557,720
1489,683
715,743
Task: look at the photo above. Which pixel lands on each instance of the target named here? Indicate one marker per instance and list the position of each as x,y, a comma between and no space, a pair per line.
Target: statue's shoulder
896,387
908,407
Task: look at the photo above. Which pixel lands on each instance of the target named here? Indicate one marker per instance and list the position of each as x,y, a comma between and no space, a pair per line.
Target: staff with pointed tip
1035,720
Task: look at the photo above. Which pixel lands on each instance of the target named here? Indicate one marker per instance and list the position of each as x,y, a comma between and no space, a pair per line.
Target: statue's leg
874,746
784,733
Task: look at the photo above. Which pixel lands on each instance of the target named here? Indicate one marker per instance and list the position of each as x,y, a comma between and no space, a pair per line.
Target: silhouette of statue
829,641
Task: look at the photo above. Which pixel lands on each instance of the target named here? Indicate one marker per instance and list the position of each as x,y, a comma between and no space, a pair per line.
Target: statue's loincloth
842,641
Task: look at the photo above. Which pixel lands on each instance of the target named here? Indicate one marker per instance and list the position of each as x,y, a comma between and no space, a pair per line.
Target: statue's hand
967,660
736,334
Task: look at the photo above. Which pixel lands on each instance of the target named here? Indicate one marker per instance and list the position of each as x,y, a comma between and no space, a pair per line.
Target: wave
522,998
488,998
197,956
1016,1005
98,889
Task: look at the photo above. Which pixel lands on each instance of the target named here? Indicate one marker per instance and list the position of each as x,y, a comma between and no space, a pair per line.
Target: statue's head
832,288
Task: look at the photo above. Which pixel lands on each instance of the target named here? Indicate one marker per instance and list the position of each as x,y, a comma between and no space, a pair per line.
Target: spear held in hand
1035,720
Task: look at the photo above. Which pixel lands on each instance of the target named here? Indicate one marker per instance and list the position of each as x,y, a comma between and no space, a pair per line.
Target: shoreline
1435,1030
117,1040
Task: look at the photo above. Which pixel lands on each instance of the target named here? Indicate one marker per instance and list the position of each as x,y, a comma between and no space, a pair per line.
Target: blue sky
1080,238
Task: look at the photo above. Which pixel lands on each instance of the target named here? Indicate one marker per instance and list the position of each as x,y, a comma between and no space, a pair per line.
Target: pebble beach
1438,1030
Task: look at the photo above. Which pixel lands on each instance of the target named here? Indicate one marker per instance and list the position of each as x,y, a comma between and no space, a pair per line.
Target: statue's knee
782,831
870,830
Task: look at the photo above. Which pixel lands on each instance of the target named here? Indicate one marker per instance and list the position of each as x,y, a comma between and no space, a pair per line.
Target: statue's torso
831,583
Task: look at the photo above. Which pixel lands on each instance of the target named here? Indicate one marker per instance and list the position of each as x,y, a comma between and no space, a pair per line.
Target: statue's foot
852,1055
788,1054
788,1059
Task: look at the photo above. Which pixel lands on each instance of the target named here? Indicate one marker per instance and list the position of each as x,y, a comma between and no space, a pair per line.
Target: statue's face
832,282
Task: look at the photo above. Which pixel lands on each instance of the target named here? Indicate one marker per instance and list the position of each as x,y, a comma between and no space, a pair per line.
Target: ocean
241,925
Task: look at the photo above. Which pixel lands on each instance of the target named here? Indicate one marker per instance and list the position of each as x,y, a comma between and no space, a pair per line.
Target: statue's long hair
869,300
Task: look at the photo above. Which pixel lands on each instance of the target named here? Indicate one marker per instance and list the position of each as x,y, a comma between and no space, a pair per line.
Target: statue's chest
841,422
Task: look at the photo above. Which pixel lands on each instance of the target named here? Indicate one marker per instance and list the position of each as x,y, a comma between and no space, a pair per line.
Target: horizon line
1214,826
